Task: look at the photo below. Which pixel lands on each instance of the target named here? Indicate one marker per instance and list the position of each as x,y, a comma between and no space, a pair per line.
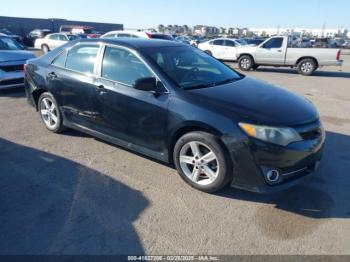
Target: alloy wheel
199,163
49,113
306,67
245,63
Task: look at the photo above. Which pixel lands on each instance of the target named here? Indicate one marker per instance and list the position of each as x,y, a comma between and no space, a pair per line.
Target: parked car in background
12,60
222,48
29,40
346,44
183,39
80,30
304,43
275,52
322,43
53,41
137,34
4,31
253,41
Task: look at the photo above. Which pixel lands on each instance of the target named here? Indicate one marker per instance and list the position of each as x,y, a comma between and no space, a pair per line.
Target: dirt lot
73,194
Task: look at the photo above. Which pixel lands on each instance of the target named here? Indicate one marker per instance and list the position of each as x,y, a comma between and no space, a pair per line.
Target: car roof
134,43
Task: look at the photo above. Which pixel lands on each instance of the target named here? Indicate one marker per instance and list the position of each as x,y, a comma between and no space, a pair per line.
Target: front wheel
202,162
50,113
246,63
307,67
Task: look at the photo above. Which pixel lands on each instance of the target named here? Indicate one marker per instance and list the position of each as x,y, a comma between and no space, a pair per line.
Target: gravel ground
74,194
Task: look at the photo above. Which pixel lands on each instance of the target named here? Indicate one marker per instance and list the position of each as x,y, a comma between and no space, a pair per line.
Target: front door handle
279,51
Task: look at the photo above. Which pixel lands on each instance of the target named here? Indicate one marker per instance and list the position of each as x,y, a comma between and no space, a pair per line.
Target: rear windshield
7,43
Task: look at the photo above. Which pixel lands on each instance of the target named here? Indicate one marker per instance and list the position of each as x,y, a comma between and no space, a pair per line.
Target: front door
137,117
271,52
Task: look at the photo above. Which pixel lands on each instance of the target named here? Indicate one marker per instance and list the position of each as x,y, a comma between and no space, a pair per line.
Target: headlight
278,135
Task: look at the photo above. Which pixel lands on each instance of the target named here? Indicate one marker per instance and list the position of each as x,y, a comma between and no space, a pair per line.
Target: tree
161,28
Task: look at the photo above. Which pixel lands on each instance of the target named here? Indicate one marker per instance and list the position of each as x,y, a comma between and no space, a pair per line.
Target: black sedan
176,104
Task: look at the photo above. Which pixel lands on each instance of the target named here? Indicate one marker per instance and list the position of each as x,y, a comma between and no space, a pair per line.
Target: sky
226,13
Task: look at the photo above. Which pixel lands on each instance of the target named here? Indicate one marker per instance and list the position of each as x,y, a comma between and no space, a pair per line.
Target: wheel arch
307,57
36,95
188,127
246,54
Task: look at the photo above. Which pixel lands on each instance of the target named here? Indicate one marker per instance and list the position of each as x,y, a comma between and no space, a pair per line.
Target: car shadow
52,205
317,73
325,194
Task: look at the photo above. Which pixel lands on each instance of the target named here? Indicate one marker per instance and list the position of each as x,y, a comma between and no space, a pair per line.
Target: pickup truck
275,51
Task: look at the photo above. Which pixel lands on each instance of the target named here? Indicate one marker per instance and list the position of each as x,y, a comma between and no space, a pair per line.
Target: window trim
135,53
94,73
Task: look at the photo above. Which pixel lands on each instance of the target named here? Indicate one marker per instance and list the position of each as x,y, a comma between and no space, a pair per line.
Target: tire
307,67
246,63
45,49
208,52
208,174
50,113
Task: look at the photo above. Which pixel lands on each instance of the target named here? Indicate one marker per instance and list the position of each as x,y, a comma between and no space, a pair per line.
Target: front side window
122,66
230,43
218,42
62,38
82,58
190,68
274,43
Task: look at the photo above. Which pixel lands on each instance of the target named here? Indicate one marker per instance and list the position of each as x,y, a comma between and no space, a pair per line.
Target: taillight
149,35
25,68
338,55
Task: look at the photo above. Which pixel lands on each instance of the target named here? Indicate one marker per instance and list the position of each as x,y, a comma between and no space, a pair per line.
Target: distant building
332,32
22,26
205,30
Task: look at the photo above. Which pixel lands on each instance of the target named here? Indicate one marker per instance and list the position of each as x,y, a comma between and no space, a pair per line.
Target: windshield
7,43
72,37
191,68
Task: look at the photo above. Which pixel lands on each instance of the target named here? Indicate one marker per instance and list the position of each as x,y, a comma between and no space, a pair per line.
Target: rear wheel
50,113
246,63
307,67
45,49
202,162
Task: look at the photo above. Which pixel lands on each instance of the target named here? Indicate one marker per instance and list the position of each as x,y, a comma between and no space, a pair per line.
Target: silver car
12,59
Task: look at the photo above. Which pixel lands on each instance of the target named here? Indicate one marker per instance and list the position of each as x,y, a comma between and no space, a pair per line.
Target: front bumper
252,159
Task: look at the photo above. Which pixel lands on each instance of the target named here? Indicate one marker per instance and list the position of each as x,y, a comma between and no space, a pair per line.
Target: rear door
71,80
271,52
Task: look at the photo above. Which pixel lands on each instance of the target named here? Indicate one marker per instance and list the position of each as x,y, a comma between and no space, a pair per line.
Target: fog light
272,176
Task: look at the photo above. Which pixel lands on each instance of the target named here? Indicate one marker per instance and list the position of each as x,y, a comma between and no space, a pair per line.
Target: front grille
12,82
12,68
310,131
311,134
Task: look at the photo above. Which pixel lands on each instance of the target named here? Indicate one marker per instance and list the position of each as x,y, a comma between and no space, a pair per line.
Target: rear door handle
52,75
279,51
102,89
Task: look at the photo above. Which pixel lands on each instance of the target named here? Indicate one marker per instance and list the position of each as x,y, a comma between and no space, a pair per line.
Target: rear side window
53,37
123,35
218,42
62,38
274,43
60,61
122,66
229,43
82,58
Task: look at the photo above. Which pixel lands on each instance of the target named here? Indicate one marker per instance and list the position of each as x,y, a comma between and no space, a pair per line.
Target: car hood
258,102
16,55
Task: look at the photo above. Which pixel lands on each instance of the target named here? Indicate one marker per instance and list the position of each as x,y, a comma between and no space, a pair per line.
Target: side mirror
146,84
